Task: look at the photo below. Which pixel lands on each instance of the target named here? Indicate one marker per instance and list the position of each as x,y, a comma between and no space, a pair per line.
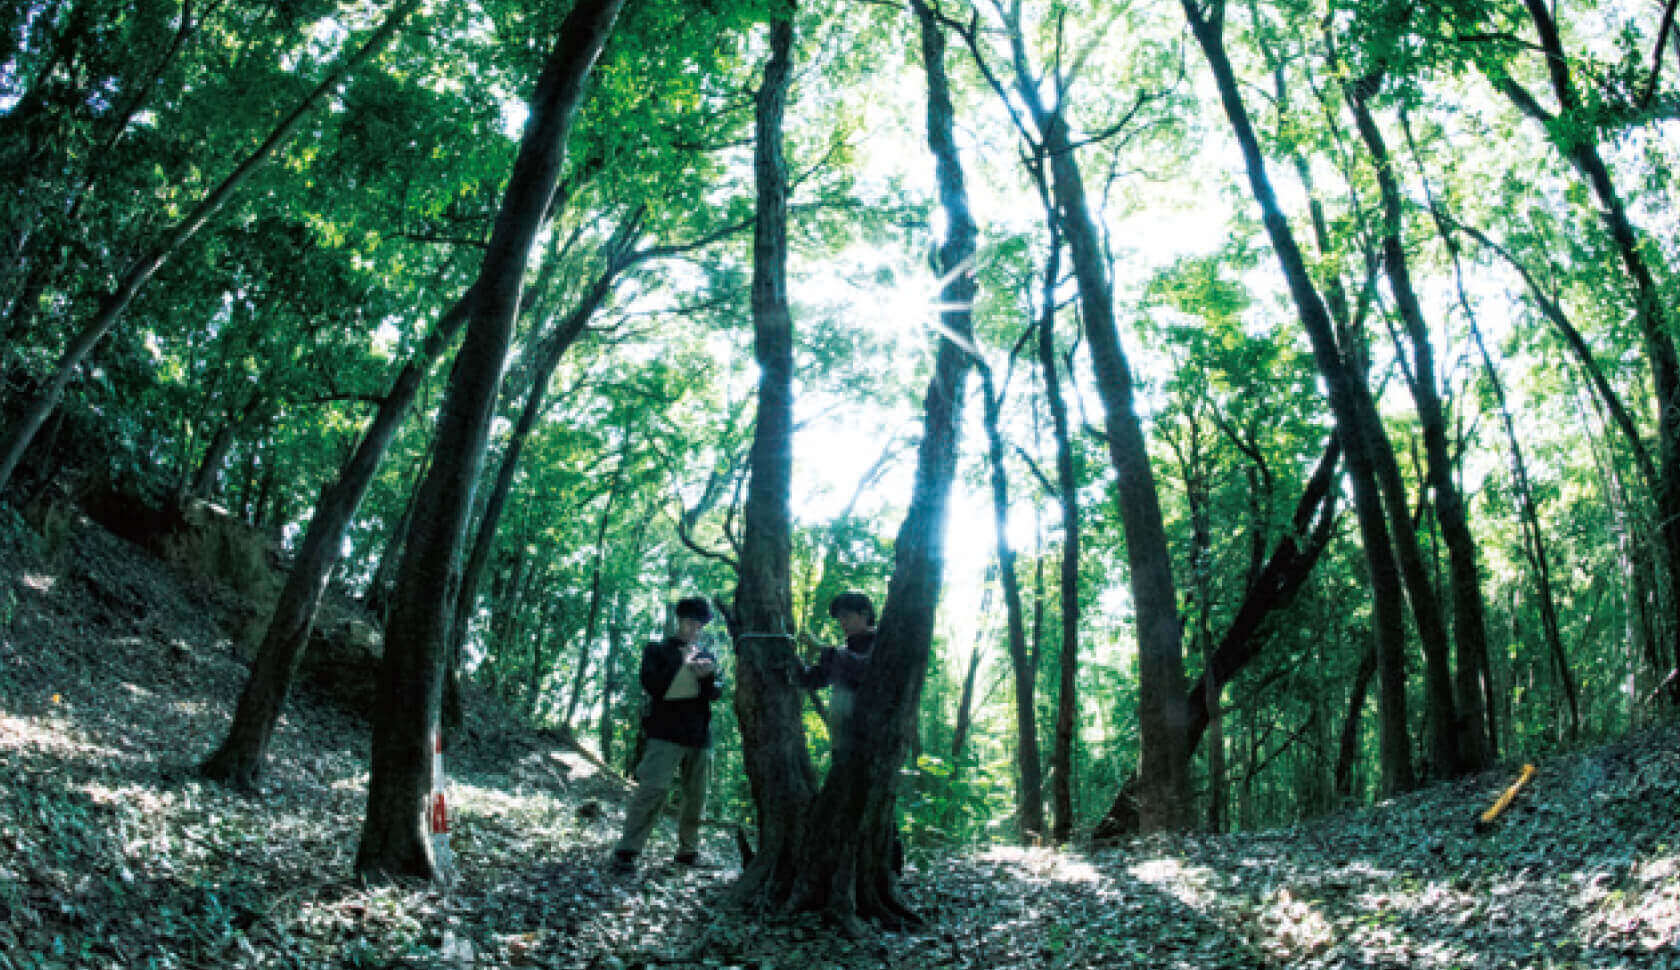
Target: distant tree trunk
238,761
1469,750
552,629
965,705
768,705
1196,494
597,574
1534,544
1029,801
378,596
608,724
551,350
1067,497
138,273
1576,136
209,475
1345,402
1348,752
846,858
393,839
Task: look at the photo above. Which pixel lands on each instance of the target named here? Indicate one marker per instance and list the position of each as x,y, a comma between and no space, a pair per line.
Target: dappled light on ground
116,854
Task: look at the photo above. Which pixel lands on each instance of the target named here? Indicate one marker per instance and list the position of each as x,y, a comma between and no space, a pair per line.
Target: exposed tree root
227,768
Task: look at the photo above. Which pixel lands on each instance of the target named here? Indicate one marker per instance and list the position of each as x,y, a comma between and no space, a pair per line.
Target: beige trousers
662,760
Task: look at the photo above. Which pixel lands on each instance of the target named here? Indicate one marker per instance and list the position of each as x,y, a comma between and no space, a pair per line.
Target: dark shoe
623,861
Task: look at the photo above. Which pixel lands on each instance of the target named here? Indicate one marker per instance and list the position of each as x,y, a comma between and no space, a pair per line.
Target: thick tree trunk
1345,402
138,273
1029,796
239,759
1469,750
846,859
768,705
393,839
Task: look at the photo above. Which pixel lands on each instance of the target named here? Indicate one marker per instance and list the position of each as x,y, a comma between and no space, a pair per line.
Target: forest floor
115,678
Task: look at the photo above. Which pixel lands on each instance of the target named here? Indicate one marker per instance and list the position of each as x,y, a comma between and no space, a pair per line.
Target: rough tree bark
405,715
846,858
768,705
111,306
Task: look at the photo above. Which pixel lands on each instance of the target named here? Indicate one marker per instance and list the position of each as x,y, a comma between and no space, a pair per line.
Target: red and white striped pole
437,816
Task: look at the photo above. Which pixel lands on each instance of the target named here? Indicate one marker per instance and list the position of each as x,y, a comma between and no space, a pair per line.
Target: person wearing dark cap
681,679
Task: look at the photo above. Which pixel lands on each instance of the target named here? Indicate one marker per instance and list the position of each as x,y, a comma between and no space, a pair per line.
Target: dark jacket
687,722
842,668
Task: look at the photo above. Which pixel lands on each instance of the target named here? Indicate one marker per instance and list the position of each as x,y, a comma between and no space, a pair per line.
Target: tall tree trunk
1575,136
768,707
1165,795
965,706
1345,402
393,839
208,478
1029,800
846,858
1196,494
1067,497
1469,751
238,761
608,724
138,273
1528,513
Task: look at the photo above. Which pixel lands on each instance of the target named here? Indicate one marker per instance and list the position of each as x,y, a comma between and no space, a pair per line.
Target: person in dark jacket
681,679
842,668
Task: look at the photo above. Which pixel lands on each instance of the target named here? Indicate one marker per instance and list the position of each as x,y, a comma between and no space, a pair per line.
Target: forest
1241,417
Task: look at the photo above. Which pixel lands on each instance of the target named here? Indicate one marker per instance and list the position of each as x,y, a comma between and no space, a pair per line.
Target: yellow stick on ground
1504,801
